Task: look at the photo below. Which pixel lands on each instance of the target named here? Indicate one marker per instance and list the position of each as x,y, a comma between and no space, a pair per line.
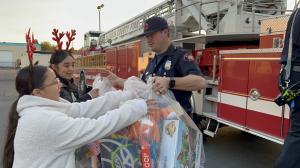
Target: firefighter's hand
115,80
160,85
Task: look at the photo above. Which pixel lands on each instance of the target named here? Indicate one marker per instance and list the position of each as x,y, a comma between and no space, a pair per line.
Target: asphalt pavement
7,96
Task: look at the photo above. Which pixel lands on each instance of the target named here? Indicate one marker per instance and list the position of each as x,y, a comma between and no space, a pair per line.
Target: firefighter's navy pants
290,154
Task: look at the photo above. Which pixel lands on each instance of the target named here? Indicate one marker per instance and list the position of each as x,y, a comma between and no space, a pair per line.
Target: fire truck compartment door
263,114
233,89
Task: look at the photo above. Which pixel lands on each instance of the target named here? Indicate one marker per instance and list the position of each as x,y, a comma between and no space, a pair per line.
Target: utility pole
99,9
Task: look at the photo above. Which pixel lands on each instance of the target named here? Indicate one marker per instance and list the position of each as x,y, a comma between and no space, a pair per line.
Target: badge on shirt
147,75
147,78
188,57
168,65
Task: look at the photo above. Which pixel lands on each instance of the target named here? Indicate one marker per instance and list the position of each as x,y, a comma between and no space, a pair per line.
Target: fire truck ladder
132,28
187,16
210,102
207,101
212,128
206,106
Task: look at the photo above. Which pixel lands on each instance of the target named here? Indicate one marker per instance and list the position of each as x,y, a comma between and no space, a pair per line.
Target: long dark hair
59,56
37,75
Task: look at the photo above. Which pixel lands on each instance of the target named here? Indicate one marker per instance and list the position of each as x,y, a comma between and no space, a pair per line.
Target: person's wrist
93,93
171,83
120,82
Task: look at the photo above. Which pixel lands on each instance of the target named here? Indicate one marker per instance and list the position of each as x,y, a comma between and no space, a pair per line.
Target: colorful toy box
165,138
179,146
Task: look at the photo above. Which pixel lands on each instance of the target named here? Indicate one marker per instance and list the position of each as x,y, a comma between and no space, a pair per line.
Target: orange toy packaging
164,138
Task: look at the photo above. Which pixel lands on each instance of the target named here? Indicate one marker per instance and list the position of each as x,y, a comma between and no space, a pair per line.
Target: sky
16,16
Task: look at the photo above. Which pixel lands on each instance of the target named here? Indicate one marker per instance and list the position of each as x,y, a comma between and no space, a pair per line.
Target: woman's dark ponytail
8,154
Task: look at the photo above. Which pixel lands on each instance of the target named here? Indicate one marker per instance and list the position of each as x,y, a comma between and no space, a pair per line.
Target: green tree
46,46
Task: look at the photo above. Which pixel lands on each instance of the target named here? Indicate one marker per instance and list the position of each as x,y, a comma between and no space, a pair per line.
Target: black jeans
290,154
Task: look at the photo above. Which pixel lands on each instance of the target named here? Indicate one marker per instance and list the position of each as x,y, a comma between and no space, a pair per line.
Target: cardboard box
180,146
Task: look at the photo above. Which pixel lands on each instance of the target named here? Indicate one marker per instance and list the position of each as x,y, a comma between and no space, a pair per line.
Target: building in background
10,53
42,58
14,55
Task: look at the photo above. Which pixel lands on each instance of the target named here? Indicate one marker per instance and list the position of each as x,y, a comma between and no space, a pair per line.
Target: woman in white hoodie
44,130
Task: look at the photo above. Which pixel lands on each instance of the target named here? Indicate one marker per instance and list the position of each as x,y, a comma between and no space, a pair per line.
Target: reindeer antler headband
58,36
30,41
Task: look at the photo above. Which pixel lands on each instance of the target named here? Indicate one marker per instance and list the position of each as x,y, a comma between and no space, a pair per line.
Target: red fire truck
239,56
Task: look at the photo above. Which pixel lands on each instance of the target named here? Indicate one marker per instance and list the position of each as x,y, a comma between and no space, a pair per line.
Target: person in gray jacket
63,62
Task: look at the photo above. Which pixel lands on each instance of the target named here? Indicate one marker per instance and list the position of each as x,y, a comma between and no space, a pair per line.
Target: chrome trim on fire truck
251,51
254,94
251,131
211,98
211,115
251,58
233,93
212,82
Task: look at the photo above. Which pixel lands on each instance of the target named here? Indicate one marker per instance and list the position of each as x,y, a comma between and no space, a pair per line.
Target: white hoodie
48,132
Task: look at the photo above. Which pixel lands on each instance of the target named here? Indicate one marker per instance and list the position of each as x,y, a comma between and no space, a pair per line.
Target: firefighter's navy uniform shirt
295,40
175,62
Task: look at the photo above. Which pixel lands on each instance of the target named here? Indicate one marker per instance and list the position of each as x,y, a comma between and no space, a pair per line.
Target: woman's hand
94,93
115,80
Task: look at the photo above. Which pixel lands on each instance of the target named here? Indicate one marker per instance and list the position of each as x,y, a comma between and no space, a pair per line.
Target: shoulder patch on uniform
188,57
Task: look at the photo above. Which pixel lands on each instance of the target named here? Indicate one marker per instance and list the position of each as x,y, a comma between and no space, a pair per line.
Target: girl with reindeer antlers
62,62
44,130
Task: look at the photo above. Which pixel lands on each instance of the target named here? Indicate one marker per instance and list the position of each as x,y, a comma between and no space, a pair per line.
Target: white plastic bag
137,86
103,84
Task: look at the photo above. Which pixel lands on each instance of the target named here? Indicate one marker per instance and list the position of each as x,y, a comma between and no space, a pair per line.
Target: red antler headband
58,36
30,41
71,37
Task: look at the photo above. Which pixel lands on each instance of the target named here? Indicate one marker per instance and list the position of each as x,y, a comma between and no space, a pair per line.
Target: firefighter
289,156
172,68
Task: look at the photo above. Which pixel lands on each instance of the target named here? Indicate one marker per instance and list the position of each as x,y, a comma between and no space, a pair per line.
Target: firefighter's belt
296,68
